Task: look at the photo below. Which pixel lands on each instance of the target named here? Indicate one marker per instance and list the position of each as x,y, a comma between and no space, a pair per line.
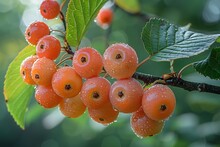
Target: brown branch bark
178,82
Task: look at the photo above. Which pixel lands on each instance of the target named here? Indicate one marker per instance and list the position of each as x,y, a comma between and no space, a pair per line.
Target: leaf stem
171,66
181,71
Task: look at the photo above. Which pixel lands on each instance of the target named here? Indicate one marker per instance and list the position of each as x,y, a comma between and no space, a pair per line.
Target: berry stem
62,17
64,34
178,82
65,59
62,5
145,60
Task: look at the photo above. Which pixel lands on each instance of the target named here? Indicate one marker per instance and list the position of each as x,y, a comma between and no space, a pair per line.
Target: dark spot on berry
41,46
6,101
45,11
163,107
68,87
23,73
29,34
95,95
120,94
37,76
118,56
101,119
83,59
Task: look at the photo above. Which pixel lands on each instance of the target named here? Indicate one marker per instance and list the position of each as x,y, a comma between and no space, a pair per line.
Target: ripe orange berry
104,115
66,82
104,17
120,61
49,9
36,31
46,97
49,47
95,92
25,69
158,102
143,126
43,70
87,62
126,95
72,107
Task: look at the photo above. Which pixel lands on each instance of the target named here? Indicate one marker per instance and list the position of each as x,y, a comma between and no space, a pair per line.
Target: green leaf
166,42
17,93
211,65
79,15
131,6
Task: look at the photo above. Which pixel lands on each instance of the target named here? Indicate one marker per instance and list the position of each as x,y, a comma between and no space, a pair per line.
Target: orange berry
87,62
158,102
46,97
104,17
126,95
143,126
25,69
120,61
49,47
72,107
104,115
43,70
95,92
66,82
36,31
49,9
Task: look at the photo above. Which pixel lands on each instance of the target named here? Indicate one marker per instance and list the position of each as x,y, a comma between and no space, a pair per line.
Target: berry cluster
84,84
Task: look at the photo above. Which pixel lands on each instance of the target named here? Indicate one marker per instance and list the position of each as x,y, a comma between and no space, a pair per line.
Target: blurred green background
195,123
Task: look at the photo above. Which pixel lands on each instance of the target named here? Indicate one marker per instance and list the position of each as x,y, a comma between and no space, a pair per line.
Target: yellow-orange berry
36,31
43,70
104,115
25,69
46,97
143,126
120,61
66,82
49,9
87,62
104,17
158,102
72,107
95,92
126,95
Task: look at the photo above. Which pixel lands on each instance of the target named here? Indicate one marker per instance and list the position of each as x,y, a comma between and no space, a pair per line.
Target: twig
144,17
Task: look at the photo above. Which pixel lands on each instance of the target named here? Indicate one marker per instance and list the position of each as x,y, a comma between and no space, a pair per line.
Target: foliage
17,93
79,15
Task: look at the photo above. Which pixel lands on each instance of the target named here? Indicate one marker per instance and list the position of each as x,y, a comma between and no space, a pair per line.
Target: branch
67,48
144,17
178,82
